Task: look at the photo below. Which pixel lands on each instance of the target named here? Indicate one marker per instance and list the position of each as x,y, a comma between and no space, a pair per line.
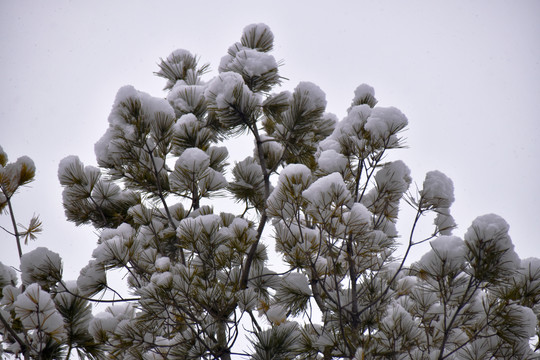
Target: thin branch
14,223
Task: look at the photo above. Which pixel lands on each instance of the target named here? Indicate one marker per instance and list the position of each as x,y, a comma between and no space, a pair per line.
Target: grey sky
466,74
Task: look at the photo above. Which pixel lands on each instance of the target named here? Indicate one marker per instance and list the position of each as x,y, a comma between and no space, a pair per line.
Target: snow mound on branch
331,161
163,263
7,276
223,89
193,160
299,282
526,318
294,170
258,32
315,97
444,221
276,314
438,190
359,215
115,246
150,105
36,310
41,265
363,91
394,177
323,190
185,98
253,62
448,251
92,278
354,122
179,54
492,231
384,123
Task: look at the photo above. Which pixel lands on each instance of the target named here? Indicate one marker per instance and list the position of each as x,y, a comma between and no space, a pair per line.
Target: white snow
13,171
150,105
329,144
447,251
356,118
258,30
186,124
326,193
399,319
250,62
444,222
36,310
184,98
162,279
9,296
297,281
319,191
104,148
177,56
7,276
363,91
358,216
71,171
112,251
493,229
527,319
272,149
221,90
394,177
209,223
276,314
92,278
163,263
193,160
349,130
316,98
438,190
248,299
37,266
330,161
124,230
298,171
229,57
295,178
102,322
214,180
384,123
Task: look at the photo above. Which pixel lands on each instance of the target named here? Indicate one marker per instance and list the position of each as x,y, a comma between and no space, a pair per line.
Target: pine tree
319,190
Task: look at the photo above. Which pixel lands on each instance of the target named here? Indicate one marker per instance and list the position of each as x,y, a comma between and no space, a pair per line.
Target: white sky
466,74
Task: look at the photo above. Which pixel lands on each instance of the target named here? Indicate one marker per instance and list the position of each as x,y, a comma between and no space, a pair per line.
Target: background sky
466,74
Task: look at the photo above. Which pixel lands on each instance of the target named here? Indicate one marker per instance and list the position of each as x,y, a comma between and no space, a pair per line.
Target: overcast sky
466,74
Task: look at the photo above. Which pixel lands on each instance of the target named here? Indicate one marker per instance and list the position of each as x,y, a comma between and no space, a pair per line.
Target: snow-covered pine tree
39,319
318,190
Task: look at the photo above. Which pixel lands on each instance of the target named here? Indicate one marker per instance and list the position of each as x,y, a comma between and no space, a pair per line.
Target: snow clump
447,254
41,266
384,124
36,310
364,94
330,161
491,251
315,97
8,276
221,90
438,190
